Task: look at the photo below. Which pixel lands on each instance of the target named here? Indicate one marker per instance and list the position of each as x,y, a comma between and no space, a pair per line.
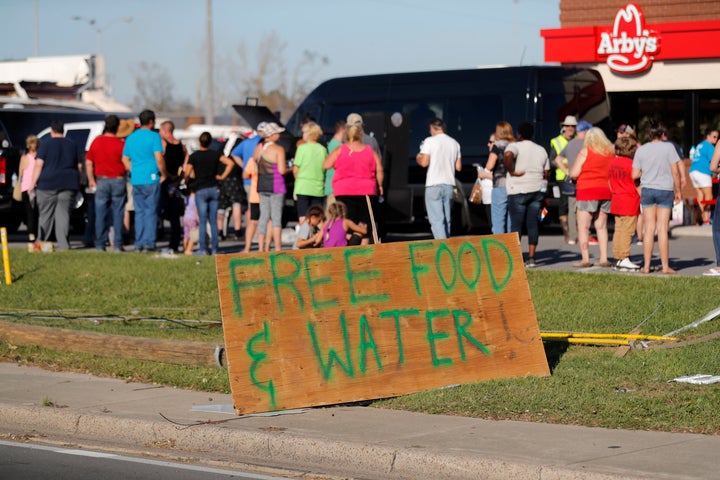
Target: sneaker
530,263
593,241
625,265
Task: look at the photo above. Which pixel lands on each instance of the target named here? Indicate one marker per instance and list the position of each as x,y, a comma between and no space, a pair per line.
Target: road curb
280,448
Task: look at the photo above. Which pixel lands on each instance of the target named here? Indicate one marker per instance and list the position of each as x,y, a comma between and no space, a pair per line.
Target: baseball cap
624,128
271,128
583,126
354,119
570,120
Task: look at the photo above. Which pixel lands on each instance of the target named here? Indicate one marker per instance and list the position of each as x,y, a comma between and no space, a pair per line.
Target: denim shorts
594,206
650,197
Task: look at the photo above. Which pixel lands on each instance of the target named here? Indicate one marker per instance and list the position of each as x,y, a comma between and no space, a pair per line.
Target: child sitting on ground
625,203
309,235
338,227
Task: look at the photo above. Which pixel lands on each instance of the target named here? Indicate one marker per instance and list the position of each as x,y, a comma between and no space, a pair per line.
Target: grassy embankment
132,294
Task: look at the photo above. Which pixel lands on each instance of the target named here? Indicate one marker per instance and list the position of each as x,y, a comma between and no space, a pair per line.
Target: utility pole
210,101
37,48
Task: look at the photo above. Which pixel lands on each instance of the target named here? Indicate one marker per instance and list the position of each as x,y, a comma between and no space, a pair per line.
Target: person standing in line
495,169
143,158
701,175
358,178
527,165
564,162
56,180
106,175
486,186
271,168
203,166
26,169
557,144
625,203
440,154
715,271
657,165
354,119
308,170
335,141
590,172
242,154
171,200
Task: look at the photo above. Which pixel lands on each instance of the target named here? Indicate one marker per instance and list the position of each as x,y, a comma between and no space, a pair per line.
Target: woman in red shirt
593,194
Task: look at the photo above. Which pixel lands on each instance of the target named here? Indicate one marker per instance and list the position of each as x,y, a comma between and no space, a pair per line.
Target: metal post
6,255
210,101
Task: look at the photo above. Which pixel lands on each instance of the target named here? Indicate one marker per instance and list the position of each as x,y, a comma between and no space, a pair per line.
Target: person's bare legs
250,229
583,224
237,218
277,237
602,235
705,196
649,218
663,226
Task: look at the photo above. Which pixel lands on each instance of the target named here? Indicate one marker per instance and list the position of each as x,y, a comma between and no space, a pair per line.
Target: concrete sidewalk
354,441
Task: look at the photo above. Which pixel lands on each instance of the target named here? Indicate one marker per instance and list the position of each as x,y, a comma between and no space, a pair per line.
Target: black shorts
232,191
357,209
304,202
255,211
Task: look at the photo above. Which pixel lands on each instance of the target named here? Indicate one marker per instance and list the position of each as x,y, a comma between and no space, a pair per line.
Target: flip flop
582,265
713,272
604,264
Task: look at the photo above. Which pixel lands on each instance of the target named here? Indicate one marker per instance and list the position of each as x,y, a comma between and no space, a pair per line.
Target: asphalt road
691,248
37,462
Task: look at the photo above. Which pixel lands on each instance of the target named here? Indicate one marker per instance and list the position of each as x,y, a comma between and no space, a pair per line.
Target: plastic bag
476,193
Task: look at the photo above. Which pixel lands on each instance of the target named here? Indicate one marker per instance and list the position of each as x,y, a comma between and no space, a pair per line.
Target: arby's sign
629,47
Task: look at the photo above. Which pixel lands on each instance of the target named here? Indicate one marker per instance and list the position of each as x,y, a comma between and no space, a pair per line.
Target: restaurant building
658,58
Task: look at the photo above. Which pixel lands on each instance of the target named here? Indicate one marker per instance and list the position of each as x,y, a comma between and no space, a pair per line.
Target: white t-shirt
443,151
532,159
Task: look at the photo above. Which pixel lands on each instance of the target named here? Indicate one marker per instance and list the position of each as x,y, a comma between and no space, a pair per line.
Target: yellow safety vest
558,143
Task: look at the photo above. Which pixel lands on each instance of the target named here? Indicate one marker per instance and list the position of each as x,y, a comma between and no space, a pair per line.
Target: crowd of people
148,173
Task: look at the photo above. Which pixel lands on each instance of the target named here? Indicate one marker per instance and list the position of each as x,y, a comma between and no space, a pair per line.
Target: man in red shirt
106,174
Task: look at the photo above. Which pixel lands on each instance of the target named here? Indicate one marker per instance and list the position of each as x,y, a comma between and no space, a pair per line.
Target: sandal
582,265
604,264
713,272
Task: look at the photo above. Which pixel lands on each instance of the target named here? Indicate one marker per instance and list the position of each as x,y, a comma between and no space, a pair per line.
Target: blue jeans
146,199
112,193
524,209
500,217
438,204
206,201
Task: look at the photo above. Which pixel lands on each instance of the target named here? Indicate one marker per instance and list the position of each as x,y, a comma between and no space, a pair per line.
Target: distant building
657,58
74,81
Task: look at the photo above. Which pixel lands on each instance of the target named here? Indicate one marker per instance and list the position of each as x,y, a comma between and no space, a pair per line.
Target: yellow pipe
627,336
6,255
593,341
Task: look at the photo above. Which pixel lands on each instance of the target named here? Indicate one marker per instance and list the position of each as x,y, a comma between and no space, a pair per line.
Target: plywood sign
326,326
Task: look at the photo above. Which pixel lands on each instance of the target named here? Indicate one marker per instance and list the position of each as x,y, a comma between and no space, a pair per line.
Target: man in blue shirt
143,158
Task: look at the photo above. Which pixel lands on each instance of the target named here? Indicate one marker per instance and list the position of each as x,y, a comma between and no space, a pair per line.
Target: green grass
132,294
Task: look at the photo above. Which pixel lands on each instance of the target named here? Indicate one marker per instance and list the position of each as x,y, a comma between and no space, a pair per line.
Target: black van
397,108
15,125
